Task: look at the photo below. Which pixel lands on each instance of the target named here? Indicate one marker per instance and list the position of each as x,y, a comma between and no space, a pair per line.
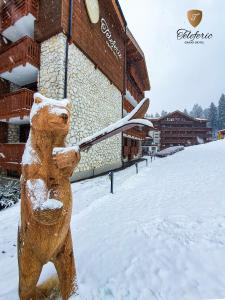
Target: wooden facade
52,17
130,148
92,40
19,54
11,156
3,132
178,128
133,88
16,104
137,82
136,65
12,10
108,44
89,38
4,87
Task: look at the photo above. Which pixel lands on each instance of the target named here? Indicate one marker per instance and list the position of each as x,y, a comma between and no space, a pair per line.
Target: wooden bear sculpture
46,200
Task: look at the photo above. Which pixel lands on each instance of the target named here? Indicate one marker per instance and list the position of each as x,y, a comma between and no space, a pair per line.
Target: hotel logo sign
93,10
112,44
188,36
194,17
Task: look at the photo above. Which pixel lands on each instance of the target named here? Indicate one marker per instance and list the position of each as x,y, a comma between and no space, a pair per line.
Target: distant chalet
177,128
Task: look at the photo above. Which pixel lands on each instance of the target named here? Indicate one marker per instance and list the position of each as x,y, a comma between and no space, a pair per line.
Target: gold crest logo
194,17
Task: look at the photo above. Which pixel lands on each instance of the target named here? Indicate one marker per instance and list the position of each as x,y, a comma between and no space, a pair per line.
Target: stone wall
52,70
96,103
13,133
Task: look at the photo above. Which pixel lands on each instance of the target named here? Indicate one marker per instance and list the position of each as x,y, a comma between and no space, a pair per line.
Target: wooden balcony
182,129
181,122
16,104
136,133
20,62
133,89
12,11
130,151
127,106
11,156
3,132
176,136
178,141
126,151
134,151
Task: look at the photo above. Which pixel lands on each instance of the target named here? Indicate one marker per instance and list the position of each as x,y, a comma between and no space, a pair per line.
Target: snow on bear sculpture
46,200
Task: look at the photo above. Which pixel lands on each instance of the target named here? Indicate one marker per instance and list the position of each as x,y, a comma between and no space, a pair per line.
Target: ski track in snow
160,236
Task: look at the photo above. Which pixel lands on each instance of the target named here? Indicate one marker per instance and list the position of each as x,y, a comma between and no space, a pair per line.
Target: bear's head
50,114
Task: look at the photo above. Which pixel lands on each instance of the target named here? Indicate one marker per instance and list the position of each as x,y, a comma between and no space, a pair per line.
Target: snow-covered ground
160,236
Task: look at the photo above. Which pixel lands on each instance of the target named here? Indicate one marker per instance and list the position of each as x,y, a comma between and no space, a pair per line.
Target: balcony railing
178,141
134,151
131,87
16,104
11,156
181,122
174,135
20,53
182,129
130,150
12,10
126,150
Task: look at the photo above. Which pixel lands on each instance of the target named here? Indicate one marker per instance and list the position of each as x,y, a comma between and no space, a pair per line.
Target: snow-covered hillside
160,236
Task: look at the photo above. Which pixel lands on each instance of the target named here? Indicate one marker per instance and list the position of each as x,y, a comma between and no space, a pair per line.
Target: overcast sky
180,75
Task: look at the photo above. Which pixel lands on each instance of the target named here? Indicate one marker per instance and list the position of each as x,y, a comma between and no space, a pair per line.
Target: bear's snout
64,117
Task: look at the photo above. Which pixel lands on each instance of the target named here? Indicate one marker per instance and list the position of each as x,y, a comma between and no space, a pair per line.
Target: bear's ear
37,100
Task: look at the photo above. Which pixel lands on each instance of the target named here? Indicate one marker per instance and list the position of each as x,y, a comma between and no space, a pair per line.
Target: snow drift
169,151
160,236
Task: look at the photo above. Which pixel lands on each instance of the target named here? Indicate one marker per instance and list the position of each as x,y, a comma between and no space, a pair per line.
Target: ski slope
160,236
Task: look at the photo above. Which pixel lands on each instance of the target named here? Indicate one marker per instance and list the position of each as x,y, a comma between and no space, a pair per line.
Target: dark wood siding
54,16
49,21
4,87
3,132
89,38
179,129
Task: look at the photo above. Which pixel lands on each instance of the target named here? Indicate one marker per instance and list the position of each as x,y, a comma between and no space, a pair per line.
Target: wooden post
146,162
111,176
136,165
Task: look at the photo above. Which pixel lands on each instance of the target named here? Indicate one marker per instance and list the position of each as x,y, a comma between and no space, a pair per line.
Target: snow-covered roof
201,119
181,113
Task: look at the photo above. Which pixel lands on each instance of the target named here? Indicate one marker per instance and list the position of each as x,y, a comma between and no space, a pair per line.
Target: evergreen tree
221,112
157,115
213,118
185,112
206,112
163,113
197,111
